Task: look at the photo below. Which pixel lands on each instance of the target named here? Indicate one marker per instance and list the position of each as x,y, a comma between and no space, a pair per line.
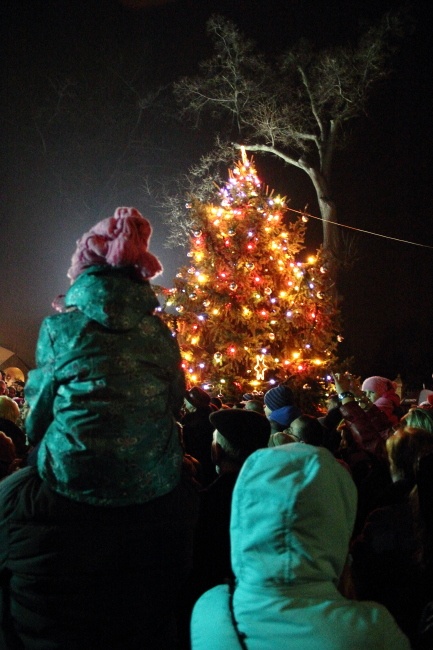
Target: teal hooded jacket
293,511
105,392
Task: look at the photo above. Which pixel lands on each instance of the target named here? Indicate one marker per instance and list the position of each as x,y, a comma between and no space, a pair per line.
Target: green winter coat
103,396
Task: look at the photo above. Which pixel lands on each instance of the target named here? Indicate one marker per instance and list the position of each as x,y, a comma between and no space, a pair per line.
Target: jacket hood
293,512
114,297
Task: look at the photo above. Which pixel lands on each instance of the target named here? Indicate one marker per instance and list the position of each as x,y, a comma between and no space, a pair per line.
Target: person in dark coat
390,561
236,434
197,431
96,539
74,576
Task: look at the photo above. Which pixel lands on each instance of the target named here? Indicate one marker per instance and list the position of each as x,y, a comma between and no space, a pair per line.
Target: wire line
368,232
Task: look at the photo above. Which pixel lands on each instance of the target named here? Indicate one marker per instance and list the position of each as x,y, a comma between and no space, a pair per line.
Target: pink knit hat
121,240
379,385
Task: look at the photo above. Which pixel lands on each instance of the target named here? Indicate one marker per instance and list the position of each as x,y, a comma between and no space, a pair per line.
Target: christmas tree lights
247,310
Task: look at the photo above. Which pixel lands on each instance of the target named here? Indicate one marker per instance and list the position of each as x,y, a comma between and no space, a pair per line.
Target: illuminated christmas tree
248,311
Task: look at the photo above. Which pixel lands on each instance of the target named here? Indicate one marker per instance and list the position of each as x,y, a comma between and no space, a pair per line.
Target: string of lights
307,215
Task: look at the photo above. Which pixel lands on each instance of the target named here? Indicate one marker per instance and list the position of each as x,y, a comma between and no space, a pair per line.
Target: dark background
62,171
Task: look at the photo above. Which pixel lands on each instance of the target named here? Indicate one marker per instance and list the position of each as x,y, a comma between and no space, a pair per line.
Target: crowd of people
139,512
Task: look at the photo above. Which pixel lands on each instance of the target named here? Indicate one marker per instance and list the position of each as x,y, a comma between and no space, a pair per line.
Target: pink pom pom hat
121,240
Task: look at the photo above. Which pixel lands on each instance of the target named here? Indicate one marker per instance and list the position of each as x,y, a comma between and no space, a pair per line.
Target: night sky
75,146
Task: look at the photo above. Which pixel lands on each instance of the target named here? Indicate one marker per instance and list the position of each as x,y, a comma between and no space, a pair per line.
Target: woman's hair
405,448
419,419
9,410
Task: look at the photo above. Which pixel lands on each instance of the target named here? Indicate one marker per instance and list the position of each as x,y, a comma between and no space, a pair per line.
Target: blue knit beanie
278,397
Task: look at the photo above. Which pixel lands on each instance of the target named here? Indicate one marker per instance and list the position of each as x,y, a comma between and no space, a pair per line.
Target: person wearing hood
96,536
280,408
197,431
289,549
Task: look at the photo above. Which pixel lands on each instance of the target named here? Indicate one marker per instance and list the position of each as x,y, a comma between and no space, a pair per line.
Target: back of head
289,488
405,449
9,409
243,431
217,402
307,429
254,405
119,241
277,397
331,433
419,418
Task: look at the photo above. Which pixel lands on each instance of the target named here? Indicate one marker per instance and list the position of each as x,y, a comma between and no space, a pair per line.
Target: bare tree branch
295,108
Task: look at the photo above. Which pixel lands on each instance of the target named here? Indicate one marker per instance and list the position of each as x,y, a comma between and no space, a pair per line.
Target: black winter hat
198,397
247,430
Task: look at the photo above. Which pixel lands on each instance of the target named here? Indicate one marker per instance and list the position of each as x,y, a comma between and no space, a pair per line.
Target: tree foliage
251,308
